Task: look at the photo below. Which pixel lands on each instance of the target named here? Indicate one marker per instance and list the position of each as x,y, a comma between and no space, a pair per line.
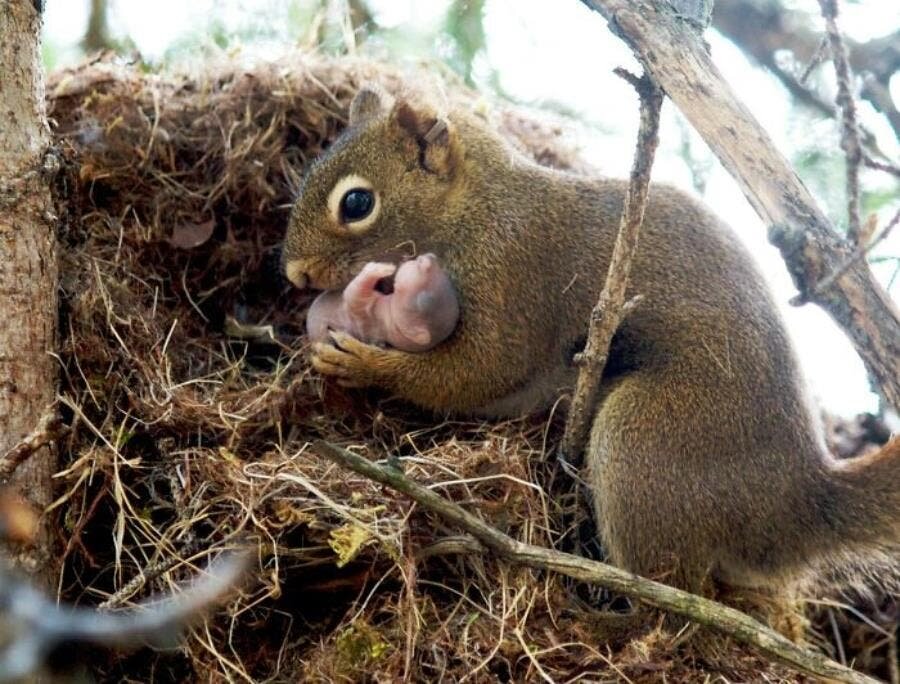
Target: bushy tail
861,506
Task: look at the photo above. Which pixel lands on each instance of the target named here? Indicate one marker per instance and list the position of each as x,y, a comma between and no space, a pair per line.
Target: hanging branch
611,308
677,58
849,130
734,623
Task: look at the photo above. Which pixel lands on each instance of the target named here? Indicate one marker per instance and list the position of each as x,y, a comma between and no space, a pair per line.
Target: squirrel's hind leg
643,507
682,489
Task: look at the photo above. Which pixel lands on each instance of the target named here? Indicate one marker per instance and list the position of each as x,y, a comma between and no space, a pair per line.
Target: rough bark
675,56
28,271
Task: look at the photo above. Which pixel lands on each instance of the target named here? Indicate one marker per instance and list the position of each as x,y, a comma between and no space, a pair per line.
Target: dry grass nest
186,382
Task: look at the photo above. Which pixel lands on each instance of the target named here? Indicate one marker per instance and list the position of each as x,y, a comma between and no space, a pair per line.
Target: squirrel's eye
356,204
353,205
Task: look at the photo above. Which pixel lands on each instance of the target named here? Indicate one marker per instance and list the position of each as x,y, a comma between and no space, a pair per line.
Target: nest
186,382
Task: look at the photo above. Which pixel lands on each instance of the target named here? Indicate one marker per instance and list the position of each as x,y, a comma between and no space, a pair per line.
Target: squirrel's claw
351,362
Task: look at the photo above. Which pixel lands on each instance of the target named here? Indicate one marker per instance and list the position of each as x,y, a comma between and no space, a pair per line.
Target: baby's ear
420,334
371,101
435,136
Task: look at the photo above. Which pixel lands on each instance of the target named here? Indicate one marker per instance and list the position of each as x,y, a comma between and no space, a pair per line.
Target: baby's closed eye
425,301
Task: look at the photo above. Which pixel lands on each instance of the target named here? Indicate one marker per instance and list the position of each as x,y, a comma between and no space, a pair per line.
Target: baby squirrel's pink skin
420,313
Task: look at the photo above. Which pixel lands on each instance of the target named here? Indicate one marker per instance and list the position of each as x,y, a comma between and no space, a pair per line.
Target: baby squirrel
706,456
418,314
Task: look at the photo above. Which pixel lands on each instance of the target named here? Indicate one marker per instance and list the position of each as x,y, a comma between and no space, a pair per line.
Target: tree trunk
28,269
96,37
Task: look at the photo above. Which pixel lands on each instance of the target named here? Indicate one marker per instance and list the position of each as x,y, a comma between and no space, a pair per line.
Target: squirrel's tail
860,505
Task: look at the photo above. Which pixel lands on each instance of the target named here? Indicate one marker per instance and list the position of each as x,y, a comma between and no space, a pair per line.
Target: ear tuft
407,119
370,102
438,134
433,135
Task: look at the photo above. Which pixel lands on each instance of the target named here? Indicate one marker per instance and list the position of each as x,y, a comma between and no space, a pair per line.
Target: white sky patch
561,54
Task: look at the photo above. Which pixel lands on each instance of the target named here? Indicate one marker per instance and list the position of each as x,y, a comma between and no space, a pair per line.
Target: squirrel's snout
296,273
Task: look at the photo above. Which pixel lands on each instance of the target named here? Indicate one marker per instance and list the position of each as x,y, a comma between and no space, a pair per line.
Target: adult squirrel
705,454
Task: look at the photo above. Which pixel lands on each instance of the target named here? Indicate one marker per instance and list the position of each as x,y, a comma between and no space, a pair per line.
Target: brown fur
705,456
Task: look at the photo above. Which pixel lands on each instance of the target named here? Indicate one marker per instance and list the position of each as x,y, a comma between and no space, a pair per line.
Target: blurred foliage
464,33
452,32
456,38
49,55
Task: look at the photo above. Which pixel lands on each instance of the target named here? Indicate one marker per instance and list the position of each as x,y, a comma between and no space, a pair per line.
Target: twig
39,625
611,307
703,611
887,167
49,429
814,61
860,252
759,29
850,132
140,580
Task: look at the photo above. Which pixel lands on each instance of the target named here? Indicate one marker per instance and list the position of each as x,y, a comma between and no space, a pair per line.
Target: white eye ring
342,187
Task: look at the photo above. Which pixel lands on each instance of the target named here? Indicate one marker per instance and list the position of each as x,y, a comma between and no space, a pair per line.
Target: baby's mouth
385,285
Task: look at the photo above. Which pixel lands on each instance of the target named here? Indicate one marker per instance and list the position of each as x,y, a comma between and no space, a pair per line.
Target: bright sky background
565,56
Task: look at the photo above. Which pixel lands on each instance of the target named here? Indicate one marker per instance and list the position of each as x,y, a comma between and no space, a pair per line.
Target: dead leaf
191,235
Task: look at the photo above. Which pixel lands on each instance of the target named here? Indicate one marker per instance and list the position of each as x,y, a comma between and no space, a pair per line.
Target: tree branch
611,308
709,613
849,131
49,429
96,37
678,60
760,28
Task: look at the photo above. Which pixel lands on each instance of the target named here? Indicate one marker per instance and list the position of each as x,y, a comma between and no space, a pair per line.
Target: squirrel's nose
295,272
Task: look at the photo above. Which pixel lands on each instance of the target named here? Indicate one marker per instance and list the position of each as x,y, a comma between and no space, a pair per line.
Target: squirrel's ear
370,101
434,135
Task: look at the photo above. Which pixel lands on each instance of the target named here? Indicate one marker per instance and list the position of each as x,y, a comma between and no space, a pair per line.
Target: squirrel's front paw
351,362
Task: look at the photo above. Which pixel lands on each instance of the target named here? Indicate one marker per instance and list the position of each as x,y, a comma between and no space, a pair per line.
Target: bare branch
860,253
814,61
679,61
709,613
147,574
611,306
892,169
849,131
49,429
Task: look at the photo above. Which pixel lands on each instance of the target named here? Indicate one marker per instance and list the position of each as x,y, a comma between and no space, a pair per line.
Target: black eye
356,204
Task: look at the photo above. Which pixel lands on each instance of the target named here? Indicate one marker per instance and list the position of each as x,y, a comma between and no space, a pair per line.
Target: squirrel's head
373,194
